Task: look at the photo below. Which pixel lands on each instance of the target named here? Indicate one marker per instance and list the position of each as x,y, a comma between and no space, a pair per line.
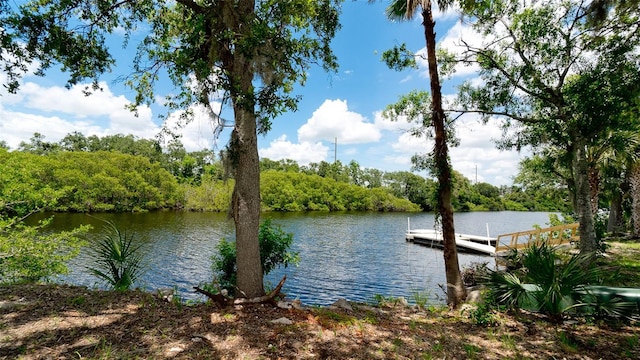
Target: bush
274,252
553,286
473,273
27,254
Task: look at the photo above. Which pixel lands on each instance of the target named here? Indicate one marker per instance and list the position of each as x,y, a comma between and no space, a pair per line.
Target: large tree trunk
634,188
456,291
244,157
588,244
246,205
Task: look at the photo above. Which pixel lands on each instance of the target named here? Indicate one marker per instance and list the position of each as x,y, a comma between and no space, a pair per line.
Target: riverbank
56,321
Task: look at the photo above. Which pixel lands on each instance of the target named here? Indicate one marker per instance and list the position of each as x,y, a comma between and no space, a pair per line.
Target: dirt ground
64,322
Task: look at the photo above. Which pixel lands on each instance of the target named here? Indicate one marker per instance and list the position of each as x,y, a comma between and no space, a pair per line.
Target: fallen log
226,301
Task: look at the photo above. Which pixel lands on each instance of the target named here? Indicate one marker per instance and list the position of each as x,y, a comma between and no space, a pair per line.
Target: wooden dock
500,246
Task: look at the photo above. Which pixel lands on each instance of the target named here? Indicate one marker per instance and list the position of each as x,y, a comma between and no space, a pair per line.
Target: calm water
350,255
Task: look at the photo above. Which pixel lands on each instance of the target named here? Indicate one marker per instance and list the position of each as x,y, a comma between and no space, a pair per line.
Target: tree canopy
555,80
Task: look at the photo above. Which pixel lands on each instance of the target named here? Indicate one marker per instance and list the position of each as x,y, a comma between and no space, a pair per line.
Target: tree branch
523,119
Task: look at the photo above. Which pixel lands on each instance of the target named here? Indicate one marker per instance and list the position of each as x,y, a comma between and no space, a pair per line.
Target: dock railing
555,235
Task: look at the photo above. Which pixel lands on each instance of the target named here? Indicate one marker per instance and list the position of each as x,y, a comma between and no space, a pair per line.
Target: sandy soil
63,322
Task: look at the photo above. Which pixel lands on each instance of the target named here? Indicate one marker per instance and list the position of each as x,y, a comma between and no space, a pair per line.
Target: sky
341,110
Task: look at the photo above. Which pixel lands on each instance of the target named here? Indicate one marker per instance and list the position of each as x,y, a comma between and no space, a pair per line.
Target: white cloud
477,149
56,111
334,120
453,43
385,124
303,153
58,101
16,127
198,133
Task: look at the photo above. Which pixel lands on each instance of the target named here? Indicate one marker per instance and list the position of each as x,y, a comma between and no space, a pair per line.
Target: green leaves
274,252
400,58
29,253
556,286
118,259
81,181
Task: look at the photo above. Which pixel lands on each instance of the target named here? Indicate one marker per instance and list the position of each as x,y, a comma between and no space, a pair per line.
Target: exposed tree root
226,301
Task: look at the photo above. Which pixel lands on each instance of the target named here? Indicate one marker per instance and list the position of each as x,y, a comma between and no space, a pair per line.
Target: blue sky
345,105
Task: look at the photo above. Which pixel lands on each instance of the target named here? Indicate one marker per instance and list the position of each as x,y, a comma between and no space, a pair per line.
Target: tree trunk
614,224
245,161
634,188
456,292
246,205
588,244
594,187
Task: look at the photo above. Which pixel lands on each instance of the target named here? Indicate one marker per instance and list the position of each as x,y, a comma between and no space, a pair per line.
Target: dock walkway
500,246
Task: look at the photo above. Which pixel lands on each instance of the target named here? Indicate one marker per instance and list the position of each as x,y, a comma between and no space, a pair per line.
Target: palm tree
405,10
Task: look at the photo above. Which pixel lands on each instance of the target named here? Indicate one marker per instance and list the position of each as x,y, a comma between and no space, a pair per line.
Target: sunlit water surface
342,255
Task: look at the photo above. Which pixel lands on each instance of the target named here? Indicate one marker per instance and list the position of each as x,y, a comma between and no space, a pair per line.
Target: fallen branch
226,301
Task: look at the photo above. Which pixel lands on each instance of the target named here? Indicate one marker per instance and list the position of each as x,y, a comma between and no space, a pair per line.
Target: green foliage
29,253
288,191
80,181
483,314
399,58
210,195
224,265
554,286
564,95
274,252
274,247
118,259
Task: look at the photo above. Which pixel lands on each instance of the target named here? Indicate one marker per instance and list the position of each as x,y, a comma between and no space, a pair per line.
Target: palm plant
118,260
546,283
560,286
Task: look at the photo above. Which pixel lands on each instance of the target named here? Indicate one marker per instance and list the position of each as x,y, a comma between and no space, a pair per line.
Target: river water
352,255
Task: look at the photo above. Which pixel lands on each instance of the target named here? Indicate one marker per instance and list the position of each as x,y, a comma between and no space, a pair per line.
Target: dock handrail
555,235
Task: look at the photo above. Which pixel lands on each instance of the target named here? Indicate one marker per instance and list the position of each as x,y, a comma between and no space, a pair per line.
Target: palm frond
119,260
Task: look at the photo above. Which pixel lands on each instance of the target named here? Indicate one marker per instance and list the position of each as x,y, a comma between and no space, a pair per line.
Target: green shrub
28,254
118,259
274,252
554,286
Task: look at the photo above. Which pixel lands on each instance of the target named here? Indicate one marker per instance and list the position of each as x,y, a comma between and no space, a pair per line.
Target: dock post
488,240
408,225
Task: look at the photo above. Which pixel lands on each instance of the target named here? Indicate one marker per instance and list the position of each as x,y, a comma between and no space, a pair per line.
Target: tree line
125,173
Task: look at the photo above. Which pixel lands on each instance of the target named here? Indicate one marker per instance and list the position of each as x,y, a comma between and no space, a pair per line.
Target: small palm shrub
551,285
118,260
274,252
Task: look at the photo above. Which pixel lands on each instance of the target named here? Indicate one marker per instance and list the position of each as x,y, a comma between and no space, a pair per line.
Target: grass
624,258
567,342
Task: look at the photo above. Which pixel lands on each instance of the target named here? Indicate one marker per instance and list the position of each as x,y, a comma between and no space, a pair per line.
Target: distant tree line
125,173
